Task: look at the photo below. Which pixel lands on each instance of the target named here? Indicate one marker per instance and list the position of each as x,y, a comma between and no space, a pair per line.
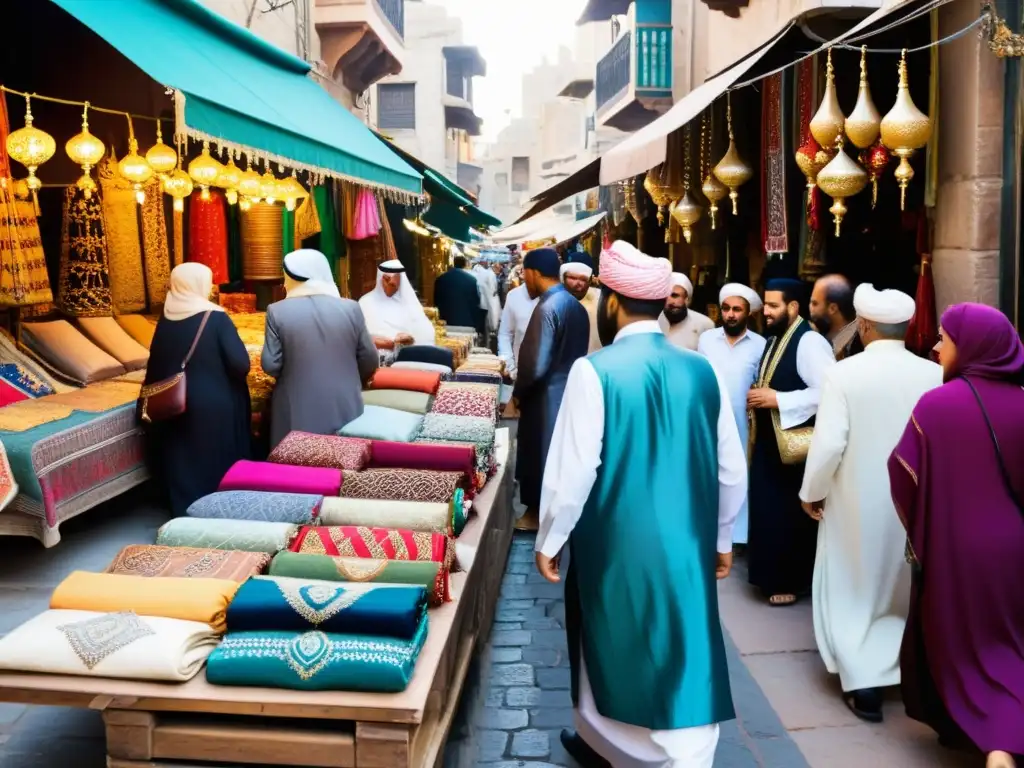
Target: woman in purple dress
958,482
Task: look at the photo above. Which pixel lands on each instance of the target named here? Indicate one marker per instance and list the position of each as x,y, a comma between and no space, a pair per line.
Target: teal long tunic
644,550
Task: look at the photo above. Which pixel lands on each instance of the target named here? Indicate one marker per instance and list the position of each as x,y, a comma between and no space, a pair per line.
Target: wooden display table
161,725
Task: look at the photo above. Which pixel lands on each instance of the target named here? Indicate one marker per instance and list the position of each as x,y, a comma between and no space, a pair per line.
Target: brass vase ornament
811,158
864,123
905,129
842,178
828,121
731,170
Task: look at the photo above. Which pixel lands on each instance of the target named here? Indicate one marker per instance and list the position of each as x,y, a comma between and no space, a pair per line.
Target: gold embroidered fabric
84,289
101,396
124,248
18,417
23,277
179,239
307,221
155,250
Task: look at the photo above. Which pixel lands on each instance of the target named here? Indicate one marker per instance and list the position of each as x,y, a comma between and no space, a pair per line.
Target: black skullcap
544,260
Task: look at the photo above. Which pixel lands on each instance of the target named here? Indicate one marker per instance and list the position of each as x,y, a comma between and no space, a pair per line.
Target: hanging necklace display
905,129
731,170
842,178
686,211
828,121
714,190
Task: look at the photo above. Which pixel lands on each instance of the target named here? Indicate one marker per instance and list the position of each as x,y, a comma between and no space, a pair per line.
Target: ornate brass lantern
731,170
291,191
30,146
685,211
875,159
178,185
905,129
85,150
228,180
840,179
828,121
269,187
204,171
250,187
161,158
134,167
811,158
864,123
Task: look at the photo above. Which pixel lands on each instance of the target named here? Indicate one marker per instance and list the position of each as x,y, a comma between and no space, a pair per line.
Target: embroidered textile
208,233
773,180
402,485
23,277
29,414
84,286
493,379
440,458
429,575
93,640
246,535
307,220
303,449
8,485
433,517
101,396
464,429
155,248
456,400
298,508
188,562
124,247
247,475
24,380
10,353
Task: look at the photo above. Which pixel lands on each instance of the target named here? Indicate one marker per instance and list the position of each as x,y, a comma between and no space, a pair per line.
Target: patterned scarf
84,281
124,249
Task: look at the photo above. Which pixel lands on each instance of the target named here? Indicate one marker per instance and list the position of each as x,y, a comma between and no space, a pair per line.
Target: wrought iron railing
614,70
394,11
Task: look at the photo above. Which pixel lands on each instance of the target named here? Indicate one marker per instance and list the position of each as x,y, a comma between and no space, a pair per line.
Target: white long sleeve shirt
814,357
575,456
515,317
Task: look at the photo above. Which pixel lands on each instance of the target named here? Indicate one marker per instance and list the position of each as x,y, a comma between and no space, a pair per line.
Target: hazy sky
513,36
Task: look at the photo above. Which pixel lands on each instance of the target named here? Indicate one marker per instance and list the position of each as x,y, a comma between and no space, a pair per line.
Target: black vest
786,377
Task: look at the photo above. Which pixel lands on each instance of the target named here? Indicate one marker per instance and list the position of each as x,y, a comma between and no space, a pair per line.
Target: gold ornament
229,178
30,146
85,150
250,186
134,167
715,191
864,123
685,211
204,171
828,121
22,190
905,129
840,179
731,170
291,191
161,158
269,188
629,199
660,192
178,185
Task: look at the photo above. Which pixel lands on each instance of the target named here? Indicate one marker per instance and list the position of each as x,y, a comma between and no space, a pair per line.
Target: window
501,180
396,106
456,83
520,174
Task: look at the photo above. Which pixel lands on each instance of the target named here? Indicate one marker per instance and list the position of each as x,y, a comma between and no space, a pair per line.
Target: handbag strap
195,341
999,453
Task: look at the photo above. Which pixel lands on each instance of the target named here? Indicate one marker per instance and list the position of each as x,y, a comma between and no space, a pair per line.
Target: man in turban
558,334
861,578
782,405
735,351
393,313
680,324
576,276
643,482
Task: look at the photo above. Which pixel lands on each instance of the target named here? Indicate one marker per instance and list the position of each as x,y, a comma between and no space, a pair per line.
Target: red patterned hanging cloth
208,234
774,233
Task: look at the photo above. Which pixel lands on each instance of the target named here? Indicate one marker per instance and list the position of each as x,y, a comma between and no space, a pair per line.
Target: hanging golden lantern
864,123
811,158
204,171
875,159
134,167
629,199
178,185
249,186
229,179
715,191
269,188
291,191
85,150
842,178
731,170
659,191
30,146
904,130
828,121
687,213
161,158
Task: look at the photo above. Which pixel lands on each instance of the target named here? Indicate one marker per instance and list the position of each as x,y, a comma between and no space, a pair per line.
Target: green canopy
482,218
449,218
239,90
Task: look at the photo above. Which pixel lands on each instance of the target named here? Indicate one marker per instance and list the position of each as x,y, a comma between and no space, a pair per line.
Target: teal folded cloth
316,661
380,423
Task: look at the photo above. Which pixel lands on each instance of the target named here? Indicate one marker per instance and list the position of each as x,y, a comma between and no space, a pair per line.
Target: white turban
678,278
743,292
576,268
889,306
310,274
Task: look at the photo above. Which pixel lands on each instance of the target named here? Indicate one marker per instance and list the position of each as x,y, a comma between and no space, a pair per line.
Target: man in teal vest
644,479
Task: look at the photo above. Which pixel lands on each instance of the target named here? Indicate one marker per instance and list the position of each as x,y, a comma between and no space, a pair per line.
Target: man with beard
735,351
833,314
576,279
782,407
644,480
680,324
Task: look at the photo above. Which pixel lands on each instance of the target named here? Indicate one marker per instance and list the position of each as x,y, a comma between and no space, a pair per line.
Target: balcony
634,79
361,41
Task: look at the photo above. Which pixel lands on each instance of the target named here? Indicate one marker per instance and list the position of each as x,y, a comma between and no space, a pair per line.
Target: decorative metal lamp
85,150
178,185
685,211
828,121
161,158
875,159
269,189
629,198
204,171
904,130
250,187
291,191
864,123
811,158
30,146
134,167
731,170
229,178
840,179
714,190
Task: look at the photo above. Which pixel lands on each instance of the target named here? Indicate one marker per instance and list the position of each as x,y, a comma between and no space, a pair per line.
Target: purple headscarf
987,344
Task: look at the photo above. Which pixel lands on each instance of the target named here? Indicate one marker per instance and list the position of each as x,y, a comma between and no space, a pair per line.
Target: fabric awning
235,89
585,178
578,228
550,228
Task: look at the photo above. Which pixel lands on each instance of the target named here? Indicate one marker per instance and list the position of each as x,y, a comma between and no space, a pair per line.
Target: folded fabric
247,475
298,508
476,376
316,661
71,354
188,562
444,370
465,429
439,458
428,575
138,327
298,605
399,399
402,378
378,423
459,400
426,353
119,645
402,485
432,517
203,600
304,449
246,535
108,335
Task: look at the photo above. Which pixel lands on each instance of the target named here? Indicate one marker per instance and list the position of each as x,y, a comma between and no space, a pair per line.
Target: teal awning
482,218
449,218
239,90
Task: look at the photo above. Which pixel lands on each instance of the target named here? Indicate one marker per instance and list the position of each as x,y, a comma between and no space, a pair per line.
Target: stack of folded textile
450,429
481,366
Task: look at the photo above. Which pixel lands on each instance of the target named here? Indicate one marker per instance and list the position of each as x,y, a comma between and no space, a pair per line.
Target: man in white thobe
489,282
393,313
680,324
735,351
576,278
861,585
515,317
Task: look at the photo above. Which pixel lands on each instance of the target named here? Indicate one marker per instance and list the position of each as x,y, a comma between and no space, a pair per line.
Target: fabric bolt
69,352
297,508
108,335
439,458
244,535
307,220
137,327
472,377
303,449
366,220
394,484
124,247
430,517
188,562
466,402
379,423
362,570
281,478
483,454
468,429
444,370
297,605
114,645
316,661
426,353
189,599
9,394
84,281
156,252
413,381
208,233
398,399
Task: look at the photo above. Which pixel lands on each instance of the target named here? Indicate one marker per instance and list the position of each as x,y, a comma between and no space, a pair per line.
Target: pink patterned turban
626,270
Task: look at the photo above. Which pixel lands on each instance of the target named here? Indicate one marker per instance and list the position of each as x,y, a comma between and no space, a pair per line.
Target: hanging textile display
287,231
234,243
156,253
366,220
307,220
84,287
773,179
124,249
262,243
386,235
330,233
208,233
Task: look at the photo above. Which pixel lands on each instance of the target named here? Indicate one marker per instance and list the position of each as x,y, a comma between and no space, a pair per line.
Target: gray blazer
320,352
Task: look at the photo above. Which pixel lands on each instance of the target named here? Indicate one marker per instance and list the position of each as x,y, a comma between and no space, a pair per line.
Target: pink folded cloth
281,478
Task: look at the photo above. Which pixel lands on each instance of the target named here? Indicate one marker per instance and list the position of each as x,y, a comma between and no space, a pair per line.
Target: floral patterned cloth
462,429
465,400
402,485
304,449
297,508
188,562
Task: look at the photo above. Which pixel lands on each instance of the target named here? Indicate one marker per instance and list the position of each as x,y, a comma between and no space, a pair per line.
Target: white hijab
313,266
389,316
189,293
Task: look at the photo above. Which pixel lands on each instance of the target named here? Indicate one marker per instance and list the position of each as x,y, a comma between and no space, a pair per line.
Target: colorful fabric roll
461,401
399,399
378,423
150,561
119,645
428,575
439,458
208,233
244,535
430,517
402,485
203,600
247,475
477,377
156,252
298,508
304,449
403,378
463,429
316,661
298,605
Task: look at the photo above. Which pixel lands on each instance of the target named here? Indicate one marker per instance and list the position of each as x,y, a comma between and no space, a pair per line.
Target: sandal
781,600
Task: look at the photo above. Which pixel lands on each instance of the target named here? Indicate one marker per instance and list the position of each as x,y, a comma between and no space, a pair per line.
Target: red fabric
408,379
10,394
923,332
773,179
208,234
806,75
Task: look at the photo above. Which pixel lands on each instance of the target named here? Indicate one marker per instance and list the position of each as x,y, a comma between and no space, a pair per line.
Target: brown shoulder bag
163,400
